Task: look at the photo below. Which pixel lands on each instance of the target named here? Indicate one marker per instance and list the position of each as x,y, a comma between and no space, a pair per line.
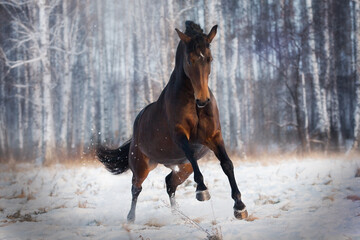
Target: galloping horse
179,128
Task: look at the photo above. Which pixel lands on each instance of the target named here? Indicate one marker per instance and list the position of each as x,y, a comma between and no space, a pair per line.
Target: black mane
193,29
198,41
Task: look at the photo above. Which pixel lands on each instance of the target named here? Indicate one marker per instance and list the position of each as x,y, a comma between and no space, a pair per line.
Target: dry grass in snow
310,198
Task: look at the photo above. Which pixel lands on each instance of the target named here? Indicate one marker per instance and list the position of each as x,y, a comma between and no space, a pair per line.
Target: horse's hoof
241,214
130,218
202,195
173,202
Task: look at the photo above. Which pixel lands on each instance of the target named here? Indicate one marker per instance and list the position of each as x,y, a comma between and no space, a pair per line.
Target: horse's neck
181,81
179,84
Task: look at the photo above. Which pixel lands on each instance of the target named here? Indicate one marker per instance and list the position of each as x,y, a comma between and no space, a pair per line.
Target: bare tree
322,125
77,71
355,145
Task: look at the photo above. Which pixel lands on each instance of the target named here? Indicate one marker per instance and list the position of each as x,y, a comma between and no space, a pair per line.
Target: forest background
73,73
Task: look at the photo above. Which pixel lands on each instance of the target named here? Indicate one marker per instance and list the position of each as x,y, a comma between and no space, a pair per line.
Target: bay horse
179,128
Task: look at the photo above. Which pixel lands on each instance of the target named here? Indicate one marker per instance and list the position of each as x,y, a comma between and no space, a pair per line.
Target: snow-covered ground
293,199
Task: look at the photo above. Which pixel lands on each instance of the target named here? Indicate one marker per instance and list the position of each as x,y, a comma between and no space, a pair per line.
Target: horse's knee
227,166
140,168
138,179
136,190
170,188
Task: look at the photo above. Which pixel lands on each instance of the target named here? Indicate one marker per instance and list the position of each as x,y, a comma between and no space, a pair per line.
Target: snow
292,199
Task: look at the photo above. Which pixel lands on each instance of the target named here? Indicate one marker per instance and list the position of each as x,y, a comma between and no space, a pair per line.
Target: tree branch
281,125
288,103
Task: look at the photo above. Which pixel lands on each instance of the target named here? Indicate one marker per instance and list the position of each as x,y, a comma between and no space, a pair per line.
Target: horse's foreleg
175,178
218,147
202,194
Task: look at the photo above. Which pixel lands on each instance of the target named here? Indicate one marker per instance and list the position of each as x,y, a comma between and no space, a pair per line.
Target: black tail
116,161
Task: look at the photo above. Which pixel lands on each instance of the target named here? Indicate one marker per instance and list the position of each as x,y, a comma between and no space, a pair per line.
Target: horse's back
151,131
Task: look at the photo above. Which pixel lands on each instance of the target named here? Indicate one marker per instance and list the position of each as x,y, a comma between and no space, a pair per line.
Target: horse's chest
203,129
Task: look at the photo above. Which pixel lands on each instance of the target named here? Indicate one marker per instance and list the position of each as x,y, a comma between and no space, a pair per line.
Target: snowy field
292,199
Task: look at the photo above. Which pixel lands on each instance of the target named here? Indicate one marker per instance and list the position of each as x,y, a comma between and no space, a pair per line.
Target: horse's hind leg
139,165
135,191
178,175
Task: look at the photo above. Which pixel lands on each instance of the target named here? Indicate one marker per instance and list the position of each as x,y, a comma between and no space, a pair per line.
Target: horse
179,128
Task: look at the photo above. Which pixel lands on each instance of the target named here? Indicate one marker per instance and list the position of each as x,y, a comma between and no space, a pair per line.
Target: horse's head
197,63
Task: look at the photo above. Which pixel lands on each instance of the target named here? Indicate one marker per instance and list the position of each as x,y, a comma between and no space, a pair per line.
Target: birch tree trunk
330,77
74,117
306,143
147,58
357,81
127,130
248,83
299,117
306,115
326,96
35,106
49,130
66,83
233,101
320,110
84,125
107,81
2,114
171,38
90,56
28,137
224,110
210,13
20,121
100,74
163,53
137,66
19,105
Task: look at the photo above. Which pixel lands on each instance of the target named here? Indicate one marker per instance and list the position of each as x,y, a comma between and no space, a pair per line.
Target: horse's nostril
201,104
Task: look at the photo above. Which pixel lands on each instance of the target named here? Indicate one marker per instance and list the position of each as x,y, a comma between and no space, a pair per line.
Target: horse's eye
208,59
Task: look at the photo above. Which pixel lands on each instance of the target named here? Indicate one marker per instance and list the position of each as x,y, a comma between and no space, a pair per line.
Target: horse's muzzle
201,104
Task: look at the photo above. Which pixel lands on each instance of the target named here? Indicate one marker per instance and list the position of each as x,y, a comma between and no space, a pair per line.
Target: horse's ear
212,34
185,38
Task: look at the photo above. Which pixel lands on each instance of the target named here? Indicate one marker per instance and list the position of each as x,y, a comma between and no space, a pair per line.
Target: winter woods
285,73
